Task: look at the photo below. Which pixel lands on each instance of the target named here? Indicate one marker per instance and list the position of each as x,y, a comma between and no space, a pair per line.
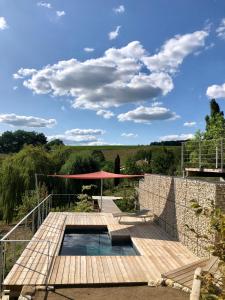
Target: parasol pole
101,191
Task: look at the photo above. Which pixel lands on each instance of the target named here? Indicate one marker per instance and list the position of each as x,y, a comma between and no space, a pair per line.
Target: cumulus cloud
157,103
216,91
177,137
87,49
78,131
221,30
114,34
60,13
189,124
3,23
118,77
173,52
143,114
129,135
79,136
44,4
120,9
26,121
106,114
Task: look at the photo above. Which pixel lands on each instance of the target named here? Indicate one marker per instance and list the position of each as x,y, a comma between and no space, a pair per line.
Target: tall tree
11,142
215,122
17,175
117,169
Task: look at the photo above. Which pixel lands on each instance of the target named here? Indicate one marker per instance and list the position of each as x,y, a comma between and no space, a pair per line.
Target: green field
124,151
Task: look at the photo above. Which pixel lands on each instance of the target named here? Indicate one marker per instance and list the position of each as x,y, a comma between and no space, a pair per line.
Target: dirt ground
114,293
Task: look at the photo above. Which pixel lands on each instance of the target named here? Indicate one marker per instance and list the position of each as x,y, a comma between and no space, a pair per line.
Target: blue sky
111,72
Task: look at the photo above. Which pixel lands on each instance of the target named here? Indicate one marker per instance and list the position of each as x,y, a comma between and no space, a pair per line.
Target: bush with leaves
17,176
212,285
84,204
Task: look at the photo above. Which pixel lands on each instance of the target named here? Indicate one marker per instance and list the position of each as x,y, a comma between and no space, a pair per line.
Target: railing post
199,155
33,222
182,158
221,145
1,265
216,157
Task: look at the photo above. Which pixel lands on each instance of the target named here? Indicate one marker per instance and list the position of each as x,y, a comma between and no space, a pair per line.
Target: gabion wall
169,199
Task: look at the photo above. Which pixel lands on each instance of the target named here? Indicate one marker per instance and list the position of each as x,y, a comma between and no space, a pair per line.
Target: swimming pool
94,241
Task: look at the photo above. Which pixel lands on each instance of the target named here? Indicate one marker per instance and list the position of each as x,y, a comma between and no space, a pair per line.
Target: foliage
131,167
108,166
98,156
17,176
84,204
128,203
117,169
11,142
54,143
215,123
163,162
78,163
168,143
30,200
89,189
143,155
213,285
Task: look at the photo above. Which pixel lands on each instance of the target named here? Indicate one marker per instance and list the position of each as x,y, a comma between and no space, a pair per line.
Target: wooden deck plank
158,254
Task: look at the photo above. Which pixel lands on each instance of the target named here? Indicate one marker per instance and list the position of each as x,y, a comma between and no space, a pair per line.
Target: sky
110,72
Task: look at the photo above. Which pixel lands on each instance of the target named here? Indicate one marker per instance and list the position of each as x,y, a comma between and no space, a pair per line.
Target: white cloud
3,23
189,124
78,131
60,13
108,81
177,137
157,103
120,9
144,114
44,4
114,34
173,52
216,91
21,73
63,108
221,30
87,49
26,121
116,78
129,135
15,87
106,114
80,136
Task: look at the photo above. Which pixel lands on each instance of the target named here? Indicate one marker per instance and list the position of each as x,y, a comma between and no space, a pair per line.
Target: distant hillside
124,151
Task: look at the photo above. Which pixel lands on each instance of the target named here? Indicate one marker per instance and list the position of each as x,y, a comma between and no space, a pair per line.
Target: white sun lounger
142,214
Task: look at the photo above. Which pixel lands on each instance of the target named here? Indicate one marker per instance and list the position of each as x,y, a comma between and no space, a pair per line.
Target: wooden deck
185,274
108,204
158,254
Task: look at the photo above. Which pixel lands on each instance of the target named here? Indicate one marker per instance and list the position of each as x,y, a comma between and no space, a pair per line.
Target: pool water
94,242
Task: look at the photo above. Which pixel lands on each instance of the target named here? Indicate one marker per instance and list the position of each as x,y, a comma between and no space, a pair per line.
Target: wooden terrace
41,264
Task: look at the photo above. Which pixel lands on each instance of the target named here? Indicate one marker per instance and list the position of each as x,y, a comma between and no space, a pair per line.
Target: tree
163,162
144,155
98,156
117,169
79,163
55,143
17,175
11,142
215,123
131,167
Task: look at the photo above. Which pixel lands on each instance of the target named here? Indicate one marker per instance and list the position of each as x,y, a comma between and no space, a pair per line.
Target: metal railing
13,243
208,154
